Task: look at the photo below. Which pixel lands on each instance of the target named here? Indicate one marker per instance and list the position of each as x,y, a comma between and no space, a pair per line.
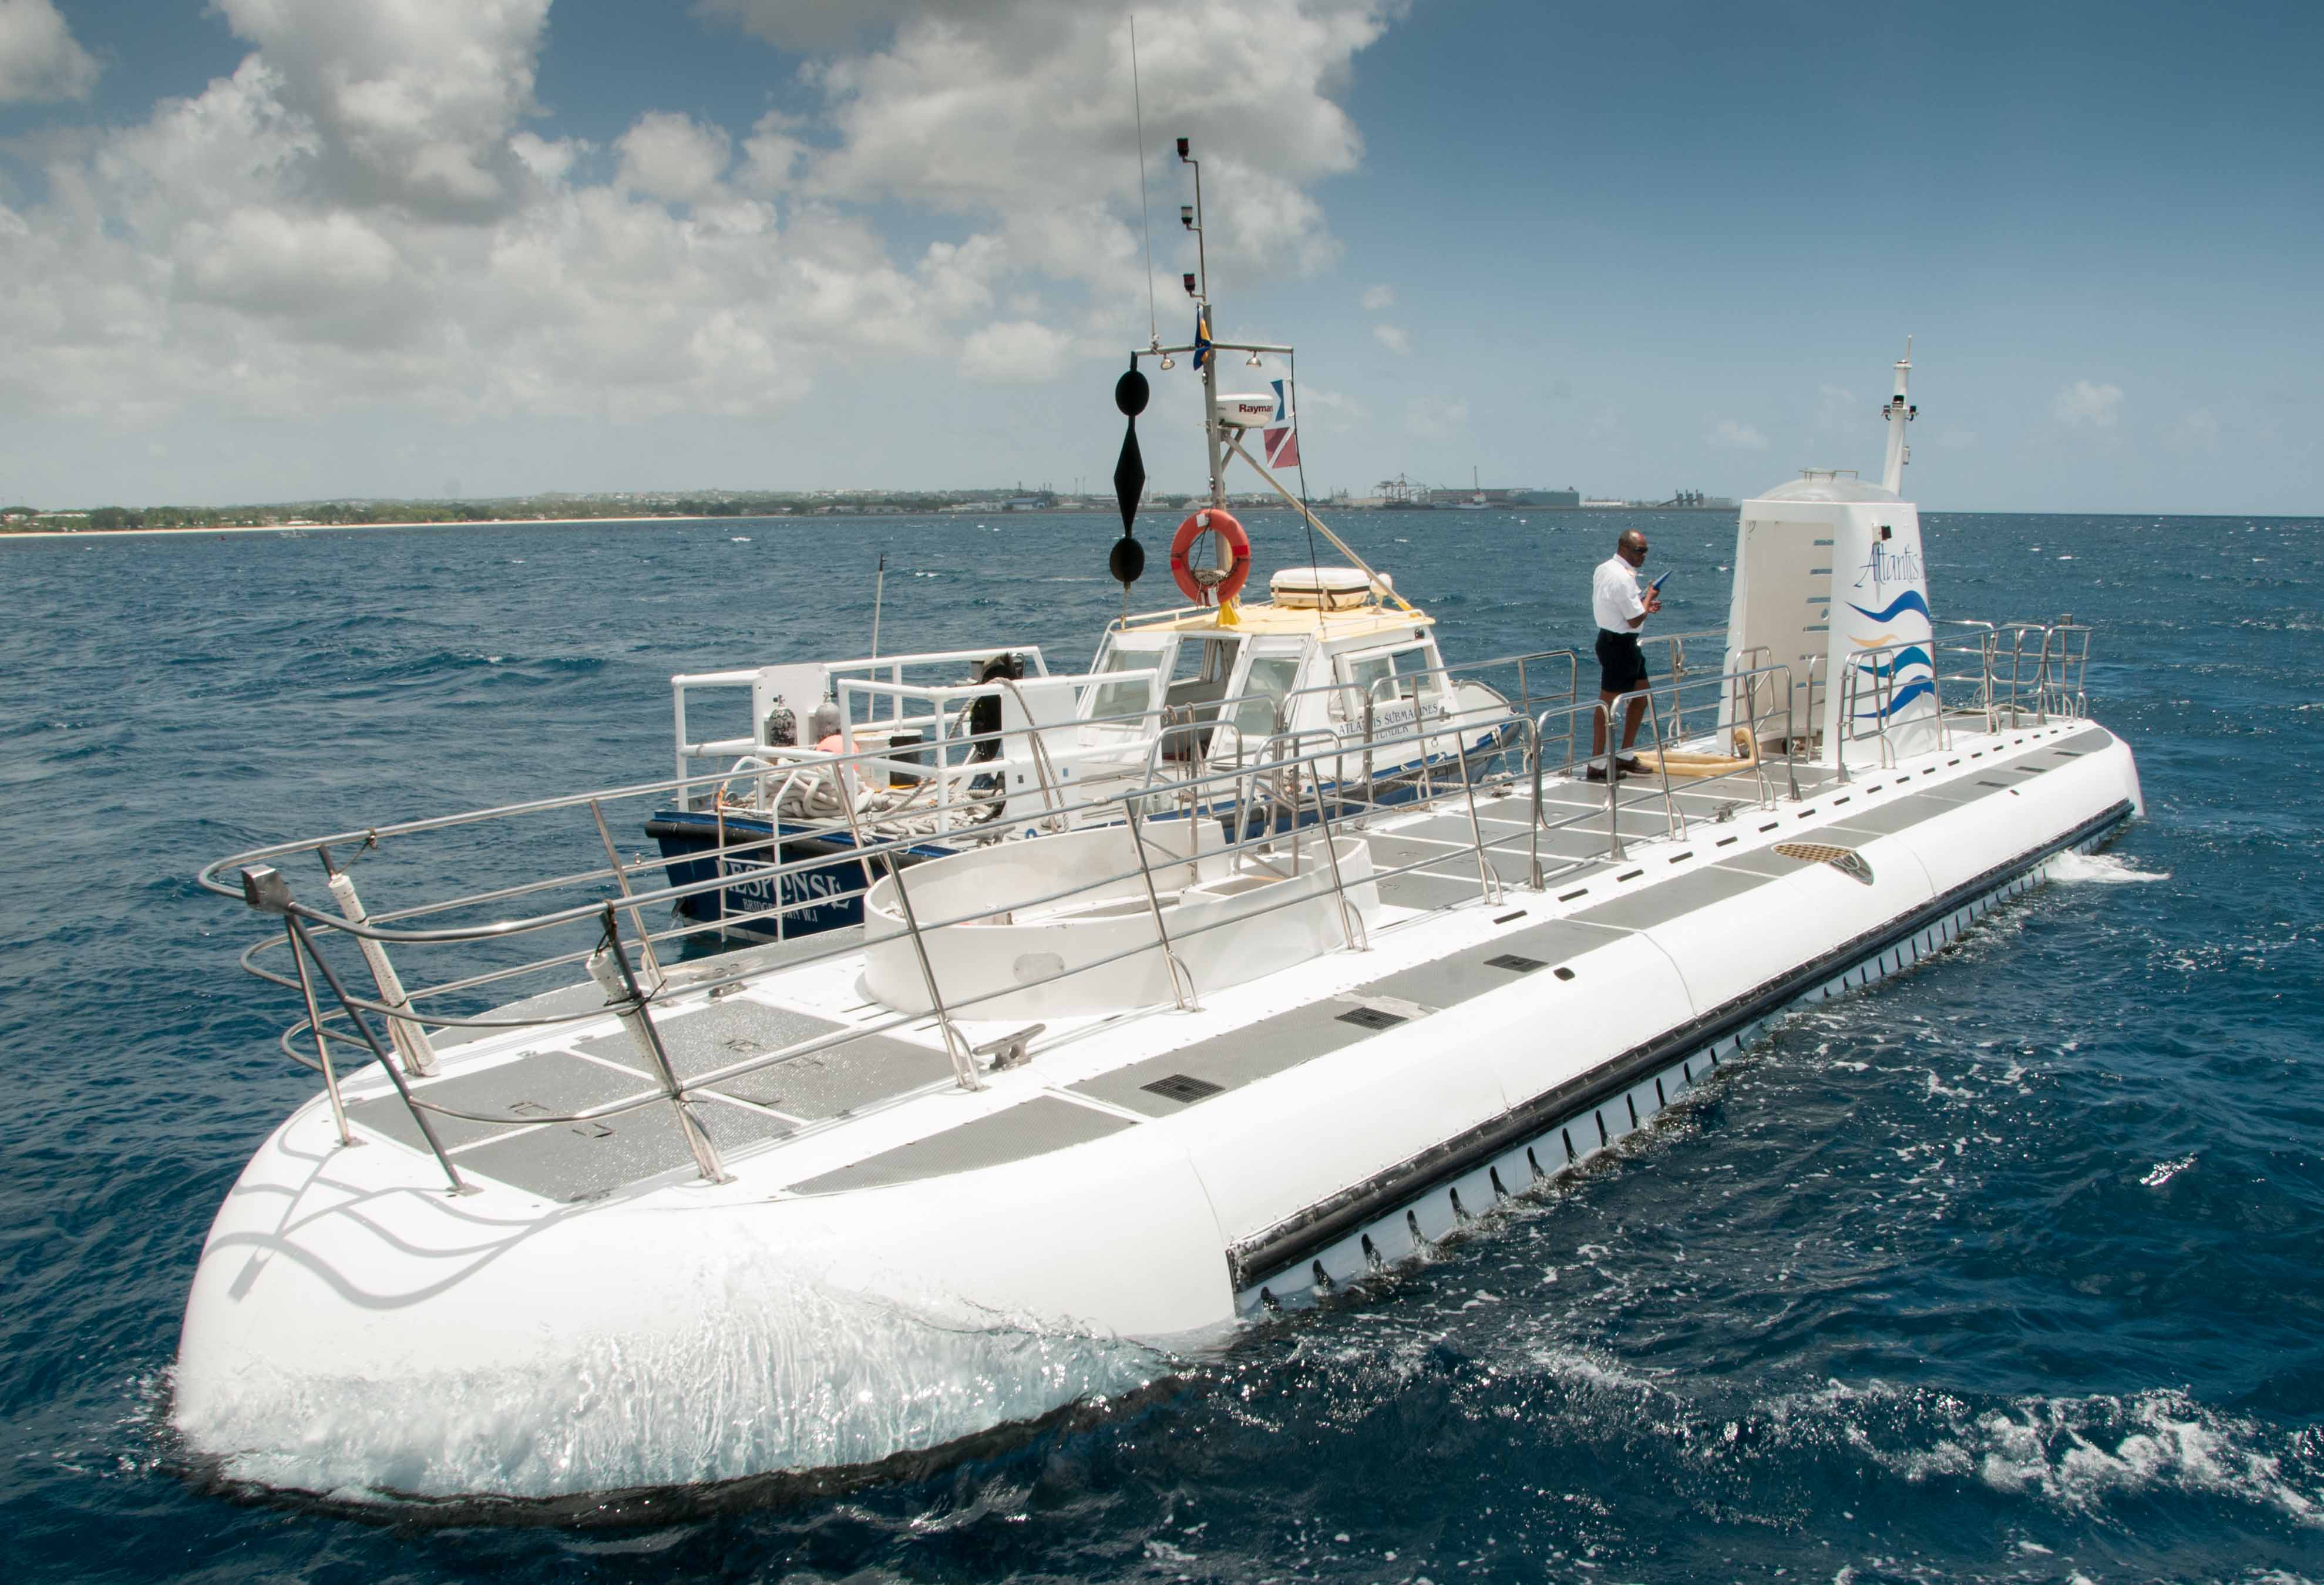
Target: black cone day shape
1130,476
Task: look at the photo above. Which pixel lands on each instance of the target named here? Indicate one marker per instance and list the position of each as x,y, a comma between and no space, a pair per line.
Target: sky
273,249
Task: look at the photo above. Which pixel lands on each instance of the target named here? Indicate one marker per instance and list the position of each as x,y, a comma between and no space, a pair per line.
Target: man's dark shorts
1622,668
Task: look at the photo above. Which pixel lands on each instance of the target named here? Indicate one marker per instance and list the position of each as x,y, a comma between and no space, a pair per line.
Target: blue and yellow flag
1202,336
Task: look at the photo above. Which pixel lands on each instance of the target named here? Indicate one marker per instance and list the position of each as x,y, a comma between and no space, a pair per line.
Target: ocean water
2008,1268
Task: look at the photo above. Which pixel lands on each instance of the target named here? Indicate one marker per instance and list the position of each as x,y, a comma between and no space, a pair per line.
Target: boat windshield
1365,670
1270,678
1124,698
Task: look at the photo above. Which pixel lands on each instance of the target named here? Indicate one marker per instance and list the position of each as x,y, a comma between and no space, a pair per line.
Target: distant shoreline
546,523
222,530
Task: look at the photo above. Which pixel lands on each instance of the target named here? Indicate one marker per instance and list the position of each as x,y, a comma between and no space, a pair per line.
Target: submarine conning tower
1830,581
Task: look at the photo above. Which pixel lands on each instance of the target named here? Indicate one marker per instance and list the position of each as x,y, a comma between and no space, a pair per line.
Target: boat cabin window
1363,671
1205,662
1271,678
1415,663
1126,698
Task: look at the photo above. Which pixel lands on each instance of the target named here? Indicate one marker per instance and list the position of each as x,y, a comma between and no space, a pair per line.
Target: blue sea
2010,1267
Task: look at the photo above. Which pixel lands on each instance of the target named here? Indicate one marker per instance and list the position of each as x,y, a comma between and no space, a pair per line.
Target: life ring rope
1217,520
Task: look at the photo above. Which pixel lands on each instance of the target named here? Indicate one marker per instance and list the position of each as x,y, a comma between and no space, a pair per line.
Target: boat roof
1266,617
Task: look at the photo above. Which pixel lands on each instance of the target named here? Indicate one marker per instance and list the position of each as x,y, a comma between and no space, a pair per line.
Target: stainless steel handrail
636,998
1303,754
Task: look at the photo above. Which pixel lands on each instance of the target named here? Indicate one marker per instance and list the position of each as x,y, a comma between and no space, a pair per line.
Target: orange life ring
1222,523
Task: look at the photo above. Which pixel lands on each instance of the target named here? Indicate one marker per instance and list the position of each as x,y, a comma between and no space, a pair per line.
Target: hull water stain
1905,1292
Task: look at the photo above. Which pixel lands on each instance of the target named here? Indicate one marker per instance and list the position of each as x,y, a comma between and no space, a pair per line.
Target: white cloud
1017,352
672,157
40,59
1731,434
1007,108
1378,298
1956,441
1393,337
2086,405
414,101
2196,431
369,209
773,154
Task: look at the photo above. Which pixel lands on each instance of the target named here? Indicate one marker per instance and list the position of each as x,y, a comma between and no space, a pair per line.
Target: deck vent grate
1182,1088
1371,1018
1514,964
1847,861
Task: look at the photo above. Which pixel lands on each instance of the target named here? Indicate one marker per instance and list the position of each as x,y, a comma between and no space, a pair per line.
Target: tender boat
569,1214
906,747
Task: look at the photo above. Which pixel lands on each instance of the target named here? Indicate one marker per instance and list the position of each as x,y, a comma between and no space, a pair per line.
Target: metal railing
761,680
632,990
2017,674
1296,774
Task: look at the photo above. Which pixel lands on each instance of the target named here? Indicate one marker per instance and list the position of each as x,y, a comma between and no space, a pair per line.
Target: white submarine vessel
576,1212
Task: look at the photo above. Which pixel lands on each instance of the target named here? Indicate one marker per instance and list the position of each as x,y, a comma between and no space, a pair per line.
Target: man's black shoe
1631,768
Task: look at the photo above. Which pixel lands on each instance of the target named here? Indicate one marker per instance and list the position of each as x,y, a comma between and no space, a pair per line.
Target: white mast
1898,414
1198,287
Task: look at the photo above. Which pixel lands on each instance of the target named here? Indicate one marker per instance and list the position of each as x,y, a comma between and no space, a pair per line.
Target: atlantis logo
1887,565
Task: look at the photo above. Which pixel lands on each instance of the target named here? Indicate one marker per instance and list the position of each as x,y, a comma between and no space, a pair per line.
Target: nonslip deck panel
1764,862
817,1084
1455,978
1238,1057
1667,900
578,1161
1033,1128
1512,866
1886,819
1395,853
1574,842
548,1084
1427,892
716,1036
842,1078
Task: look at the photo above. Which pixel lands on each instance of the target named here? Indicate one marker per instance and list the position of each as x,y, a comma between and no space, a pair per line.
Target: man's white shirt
1614,595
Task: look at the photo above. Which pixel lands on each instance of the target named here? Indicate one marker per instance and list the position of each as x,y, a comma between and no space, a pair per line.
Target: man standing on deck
1621,611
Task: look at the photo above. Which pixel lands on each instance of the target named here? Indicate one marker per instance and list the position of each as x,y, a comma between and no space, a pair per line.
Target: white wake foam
2100,869
805,1378
2164,1171
2071,1452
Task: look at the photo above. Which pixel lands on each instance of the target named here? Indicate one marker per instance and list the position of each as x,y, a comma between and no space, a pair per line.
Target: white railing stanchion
322,1045
609,965
1182,983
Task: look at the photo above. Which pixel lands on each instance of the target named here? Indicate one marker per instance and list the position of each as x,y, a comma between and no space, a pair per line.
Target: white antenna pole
879,591
1201,291
1899,413
1138,103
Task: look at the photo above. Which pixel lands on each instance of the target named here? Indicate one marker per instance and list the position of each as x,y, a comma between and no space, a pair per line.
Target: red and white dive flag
1282,439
